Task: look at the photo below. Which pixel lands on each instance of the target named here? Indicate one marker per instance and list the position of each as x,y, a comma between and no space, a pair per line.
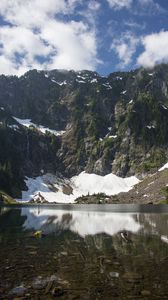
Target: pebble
114,274
19,291
145,293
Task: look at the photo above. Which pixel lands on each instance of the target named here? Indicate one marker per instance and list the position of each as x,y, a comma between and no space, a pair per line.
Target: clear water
84,252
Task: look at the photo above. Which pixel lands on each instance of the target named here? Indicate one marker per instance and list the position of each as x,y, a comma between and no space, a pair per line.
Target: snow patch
123,92
28,123
164,107
164,167
80,81
82,77
93,80
150,127
164,239
15,127
53,80
131,101
59,83
82,185
112,136
107,85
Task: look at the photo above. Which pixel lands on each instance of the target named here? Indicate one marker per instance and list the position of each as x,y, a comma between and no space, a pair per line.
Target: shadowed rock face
115,124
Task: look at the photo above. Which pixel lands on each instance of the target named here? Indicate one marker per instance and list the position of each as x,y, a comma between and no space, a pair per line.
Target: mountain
65,122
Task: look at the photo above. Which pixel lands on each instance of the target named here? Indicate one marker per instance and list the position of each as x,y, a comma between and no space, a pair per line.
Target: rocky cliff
117,123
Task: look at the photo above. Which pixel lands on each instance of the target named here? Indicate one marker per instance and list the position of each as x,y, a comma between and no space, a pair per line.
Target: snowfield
28,123
80,185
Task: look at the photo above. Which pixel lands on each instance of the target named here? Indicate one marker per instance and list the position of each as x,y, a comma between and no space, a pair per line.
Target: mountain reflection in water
82,254
81,222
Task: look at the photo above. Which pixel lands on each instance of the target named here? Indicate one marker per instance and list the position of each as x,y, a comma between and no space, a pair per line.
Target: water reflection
83,254
81,222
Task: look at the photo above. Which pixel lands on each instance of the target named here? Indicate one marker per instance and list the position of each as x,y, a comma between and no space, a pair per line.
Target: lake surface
84,252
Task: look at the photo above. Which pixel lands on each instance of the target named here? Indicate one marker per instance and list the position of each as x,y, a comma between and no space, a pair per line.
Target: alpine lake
84,252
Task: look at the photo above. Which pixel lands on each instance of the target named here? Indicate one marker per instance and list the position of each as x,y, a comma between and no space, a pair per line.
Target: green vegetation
90,112
6,199
164,191
156,159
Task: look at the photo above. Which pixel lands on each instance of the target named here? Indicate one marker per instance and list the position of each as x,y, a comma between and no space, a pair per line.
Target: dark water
83,253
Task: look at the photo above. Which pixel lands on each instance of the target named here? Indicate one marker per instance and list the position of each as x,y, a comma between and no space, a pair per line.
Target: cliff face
117,123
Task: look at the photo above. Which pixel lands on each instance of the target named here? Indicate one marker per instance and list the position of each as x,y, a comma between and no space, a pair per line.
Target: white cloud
36,31
91,13
94,5
120,4
74,45
138,7
148,7
30,13
125,47
135,25
156,49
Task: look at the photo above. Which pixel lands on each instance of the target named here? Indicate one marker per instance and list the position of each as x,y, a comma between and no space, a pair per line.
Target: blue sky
101,35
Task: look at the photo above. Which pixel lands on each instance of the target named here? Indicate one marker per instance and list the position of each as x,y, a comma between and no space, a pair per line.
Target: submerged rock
132,277
145,293
114,274
18,291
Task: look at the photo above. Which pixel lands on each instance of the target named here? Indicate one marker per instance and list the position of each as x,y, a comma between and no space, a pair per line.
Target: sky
100,35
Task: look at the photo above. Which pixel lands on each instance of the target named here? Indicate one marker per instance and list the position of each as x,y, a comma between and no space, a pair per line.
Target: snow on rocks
94,80
80,185
107,85
164,167
80,81
15,127
24,122
164,107
164,238
59,83
28,123
112,136
150,127
123,92
81,77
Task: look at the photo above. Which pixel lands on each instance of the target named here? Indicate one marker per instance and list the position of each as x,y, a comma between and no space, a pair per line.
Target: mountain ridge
112,124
